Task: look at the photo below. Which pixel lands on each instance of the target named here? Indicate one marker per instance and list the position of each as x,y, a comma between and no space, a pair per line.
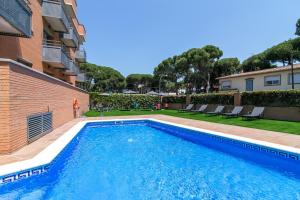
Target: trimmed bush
174,99
290,98
223,99
123,101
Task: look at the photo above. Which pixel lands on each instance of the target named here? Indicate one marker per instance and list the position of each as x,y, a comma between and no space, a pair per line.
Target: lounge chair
201,109
235,112
188,108
217,111
256,113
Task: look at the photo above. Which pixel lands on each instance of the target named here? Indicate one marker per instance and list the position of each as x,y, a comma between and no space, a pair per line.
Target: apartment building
279,78
53,37
40,52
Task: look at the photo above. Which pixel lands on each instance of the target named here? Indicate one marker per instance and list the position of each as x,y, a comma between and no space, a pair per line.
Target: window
272,80
226,85
249,85
296,78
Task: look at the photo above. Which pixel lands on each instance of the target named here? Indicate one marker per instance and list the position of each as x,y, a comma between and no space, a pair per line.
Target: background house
279,78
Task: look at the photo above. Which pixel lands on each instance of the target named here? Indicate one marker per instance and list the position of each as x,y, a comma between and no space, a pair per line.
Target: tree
256,62
105,79
89,70
284,52
172,70
225,67
203,62
133,81
298,28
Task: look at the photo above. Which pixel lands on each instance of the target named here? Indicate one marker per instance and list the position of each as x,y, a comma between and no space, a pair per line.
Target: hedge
174,99
288,98
122,101
223,99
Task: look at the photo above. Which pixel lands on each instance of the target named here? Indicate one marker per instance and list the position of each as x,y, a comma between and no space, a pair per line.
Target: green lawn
272,125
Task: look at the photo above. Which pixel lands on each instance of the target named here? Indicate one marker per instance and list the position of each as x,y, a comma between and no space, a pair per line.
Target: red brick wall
32,92
4,108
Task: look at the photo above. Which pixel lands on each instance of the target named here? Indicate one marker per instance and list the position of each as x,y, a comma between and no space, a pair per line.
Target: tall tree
203,62
225,67
298,28
133,81
105,79
284,52
172,70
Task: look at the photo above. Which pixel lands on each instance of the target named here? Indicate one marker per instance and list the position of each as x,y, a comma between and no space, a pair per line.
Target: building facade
40,52
279,78
53,44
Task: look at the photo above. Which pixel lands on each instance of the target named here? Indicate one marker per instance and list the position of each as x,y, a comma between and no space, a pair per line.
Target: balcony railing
70,39
15,18
54,13
71,7
55,55
81,77
73,69
80,30
80,55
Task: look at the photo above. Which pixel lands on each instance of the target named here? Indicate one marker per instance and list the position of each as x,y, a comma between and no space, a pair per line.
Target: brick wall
25,92
4,108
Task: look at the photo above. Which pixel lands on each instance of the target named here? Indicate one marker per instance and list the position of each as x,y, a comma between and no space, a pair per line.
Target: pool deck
36,147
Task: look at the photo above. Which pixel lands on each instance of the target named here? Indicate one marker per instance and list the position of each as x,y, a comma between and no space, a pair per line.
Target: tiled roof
265,71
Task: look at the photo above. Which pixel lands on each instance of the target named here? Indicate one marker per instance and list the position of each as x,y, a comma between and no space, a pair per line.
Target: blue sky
133,36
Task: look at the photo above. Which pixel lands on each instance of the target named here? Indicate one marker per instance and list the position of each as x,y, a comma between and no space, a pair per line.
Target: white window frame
227,87
272,84
290,78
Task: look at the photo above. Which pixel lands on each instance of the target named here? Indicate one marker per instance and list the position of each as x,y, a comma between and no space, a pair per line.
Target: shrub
224,99
272,98
174,99
122,101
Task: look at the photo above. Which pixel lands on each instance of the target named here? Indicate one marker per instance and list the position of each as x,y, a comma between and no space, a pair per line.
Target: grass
264,124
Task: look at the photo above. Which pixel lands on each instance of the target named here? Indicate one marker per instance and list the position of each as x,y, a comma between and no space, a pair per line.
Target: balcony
71,7
80,30
55,55
73,69
81,77
54,13
80,56
15,18
70,39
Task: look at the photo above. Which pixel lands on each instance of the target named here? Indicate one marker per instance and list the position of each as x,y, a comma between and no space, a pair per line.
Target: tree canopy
133,81
227,66
298,28
195,68
256,62
104,79
283,52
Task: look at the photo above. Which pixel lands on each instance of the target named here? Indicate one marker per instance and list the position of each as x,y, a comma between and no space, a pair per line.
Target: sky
134,36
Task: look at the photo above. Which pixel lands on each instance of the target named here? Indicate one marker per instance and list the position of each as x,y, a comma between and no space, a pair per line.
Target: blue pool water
142,161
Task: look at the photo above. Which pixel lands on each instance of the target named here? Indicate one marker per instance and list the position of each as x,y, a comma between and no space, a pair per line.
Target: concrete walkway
33,149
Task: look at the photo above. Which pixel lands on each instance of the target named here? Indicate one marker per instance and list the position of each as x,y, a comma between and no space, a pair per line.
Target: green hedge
288,98
223,99
174,99
122,101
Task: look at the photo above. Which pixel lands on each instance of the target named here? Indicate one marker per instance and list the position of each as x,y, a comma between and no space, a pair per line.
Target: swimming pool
148,159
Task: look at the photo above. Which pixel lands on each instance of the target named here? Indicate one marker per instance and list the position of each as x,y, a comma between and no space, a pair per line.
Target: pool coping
46,156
